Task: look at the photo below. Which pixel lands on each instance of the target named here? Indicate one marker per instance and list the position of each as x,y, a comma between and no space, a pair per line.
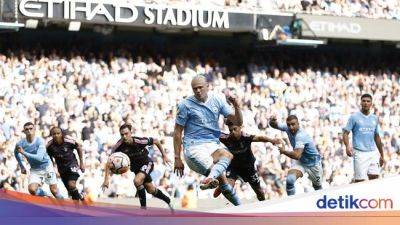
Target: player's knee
32,190
53,188
227,155
150,189
138,181
71,185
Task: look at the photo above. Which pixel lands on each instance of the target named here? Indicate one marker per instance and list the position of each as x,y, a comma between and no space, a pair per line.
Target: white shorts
366,163
47,176
314,172
198,156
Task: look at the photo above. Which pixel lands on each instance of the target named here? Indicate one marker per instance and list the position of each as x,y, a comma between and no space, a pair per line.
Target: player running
61,148
306,156
242,165
198,117
34,150
141,164
365,128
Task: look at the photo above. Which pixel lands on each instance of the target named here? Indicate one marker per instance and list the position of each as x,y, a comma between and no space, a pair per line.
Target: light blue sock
290,181
230,194
219,167
41,192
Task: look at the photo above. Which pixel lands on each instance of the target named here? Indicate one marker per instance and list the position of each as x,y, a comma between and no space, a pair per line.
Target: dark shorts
69,174
143,167
247,174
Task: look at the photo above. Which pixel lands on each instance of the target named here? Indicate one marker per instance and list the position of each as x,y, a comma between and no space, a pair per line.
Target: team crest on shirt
215,109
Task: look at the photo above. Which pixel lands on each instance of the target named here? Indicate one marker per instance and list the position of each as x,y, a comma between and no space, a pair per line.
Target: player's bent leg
315,174
138,182
258,190
217,191
151,189
222,158
73,191
291,178
228,191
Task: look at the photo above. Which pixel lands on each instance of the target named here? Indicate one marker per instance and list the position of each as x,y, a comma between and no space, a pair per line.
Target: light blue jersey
364,129
35,152
310,155
200,120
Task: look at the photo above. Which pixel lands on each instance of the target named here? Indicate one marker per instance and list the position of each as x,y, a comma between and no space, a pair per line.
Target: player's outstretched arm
266,139
178,165
238,117
162,150
295,154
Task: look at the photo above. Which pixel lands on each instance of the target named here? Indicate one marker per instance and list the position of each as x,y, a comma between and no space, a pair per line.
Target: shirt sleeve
350,124
182,114
144,141
225,108
18,157
40,154
248,138
282,127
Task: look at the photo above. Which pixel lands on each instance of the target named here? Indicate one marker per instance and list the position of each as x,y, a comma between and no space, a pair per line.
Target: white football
120,163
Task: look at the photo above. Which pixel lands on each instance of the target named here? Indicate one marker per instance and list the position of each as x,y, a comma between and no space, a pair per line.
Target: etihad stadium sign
336,27
127,12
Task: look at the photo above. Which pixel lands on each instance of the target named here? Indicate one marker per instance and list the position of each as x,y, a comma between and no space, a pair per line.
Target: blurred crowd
387,9
90,96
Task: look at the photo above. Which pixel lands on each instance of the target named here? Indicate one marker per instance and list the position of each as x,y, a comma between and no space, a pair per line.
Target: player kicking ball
242,165
141,164
61,148
34,150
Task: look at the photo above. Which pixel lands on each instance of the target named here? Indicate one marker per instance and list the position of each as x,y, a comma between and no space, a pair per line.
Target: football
120,163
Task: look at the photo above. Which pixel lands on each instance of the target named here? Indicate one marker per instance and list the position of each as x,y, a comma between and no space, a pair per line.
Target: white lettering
100,9
159,14
169,17
131,19
335,27
194,18
126,12
201,18
50,4
24,5
66,10
150,16
220,21
74,9
180,20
